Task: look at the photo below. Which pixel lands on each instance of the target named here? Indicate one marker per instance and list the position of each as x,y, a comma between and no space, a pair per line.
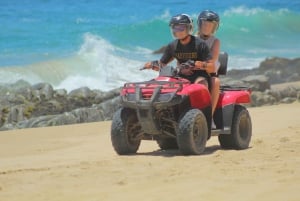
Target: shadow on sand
176,152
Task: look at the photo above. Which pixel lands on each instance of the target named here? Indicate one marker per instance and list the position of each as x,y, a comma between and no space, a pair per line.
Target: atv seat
223,59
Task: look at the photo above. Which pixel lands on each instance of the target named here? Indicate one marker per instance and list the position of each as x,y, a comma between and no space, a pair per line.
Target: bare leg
215,92
201,80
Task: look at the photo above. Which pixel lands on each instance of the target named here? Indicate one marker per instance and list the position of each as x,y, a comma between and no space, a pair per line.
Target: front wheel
241,130
193,133
124,131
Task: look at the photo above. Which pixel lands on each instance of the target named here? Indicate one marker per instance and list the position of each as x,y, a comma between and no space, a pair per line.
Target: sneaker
213,125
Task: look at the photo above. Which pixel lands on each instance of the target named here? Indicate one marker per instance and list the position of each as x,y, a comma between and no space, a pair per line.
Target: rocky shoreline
26,106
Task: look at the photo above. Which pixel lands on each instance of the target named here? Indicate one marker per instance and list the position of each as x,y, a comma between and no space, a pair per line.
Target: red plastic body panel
234,97
147,89
198,94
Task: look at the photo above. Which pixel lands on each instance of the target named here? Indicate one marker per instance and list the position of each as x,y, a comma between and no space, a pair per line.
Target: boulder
43,91
257,82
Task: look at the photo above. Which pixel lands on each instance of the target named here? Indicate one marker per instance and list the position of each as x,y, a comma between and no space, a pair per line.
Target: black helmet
182,19
208,15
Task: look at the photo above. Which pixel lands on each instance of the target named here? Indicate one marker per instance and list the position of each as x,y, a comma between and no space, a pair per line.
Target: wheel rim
244,127
132,130
199,139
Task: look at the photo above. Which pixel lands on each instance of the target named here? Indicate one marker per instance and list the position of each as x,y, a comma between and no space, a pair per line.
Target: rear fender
223,116
234,97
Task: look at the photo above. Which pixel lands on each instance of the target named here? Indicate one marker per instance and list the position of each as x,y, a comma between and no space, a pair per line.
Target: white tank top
209,42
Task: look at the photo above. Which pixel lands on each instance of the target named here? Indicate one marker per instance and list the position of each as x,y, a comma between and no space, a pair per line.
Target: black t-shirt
195,50
186,52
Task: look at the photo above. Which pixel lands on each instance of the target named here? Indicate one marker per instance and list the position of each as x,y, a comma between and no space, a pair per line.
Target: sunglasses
208,20
179,27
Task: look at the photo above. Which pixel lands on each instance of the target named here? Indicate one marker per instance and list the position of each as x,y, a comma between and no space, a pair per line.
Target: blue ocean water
102,44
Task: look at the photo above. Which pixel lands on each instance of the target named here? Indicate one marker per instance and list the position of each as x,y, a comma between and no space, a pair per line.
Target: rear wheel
124,132
241,130
193,132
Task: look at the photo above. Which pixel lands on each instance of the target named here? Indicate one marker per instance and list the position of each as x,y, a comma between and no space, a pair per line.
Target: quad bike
177,114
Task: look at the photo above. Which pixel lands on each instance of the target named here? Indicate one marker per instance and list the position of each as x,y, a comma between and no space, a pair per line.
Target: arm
206,61
215,51
166,58
208,66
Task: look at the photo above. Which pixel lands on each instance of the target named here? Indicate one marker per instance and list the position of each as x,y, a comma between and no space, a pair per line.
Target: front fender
198,94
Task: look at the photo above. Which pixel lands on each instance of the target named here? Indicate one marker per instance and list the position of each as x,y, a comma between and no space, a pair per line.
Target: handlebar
156,65
188,64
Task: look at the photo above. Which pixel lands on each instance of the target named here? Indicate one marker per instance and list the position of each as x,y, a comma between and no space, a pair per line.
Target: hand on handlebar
187,67
154,65
190,64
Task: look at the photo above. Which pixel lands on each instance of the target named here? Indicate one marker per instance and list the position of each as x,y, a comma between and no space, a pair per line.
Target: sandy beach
77,162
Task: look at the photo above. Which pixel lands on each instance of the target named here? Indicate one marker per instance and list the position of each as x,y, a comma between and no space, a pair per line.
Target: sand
77,162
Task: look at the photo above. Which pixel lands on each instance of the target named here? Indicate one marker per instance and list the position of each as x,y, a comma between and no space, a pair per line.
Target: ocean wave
100,64
97,65
243,10
241,28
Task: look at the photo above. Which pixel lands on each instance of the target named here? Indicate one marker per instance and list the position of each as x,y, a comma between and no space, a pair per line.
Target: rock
49,120
48,107
3,115
25,92
293,77
257,82
275,93
232,82
44,91
289,92
109,95
259,98
63,119
16,114
280,64
288,100
60,93
6,127
88,115
83,92
278,70
20,84
15,98
81,97
237,74
41,105
109,107
26,106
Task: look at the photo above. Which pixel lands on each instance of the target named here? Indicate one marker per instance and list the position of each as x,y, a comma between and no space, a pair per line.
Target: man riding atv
187,47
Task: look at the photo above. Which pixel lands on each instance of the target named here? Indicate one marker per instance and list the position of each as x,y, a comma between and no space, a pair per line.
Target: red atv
177,114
